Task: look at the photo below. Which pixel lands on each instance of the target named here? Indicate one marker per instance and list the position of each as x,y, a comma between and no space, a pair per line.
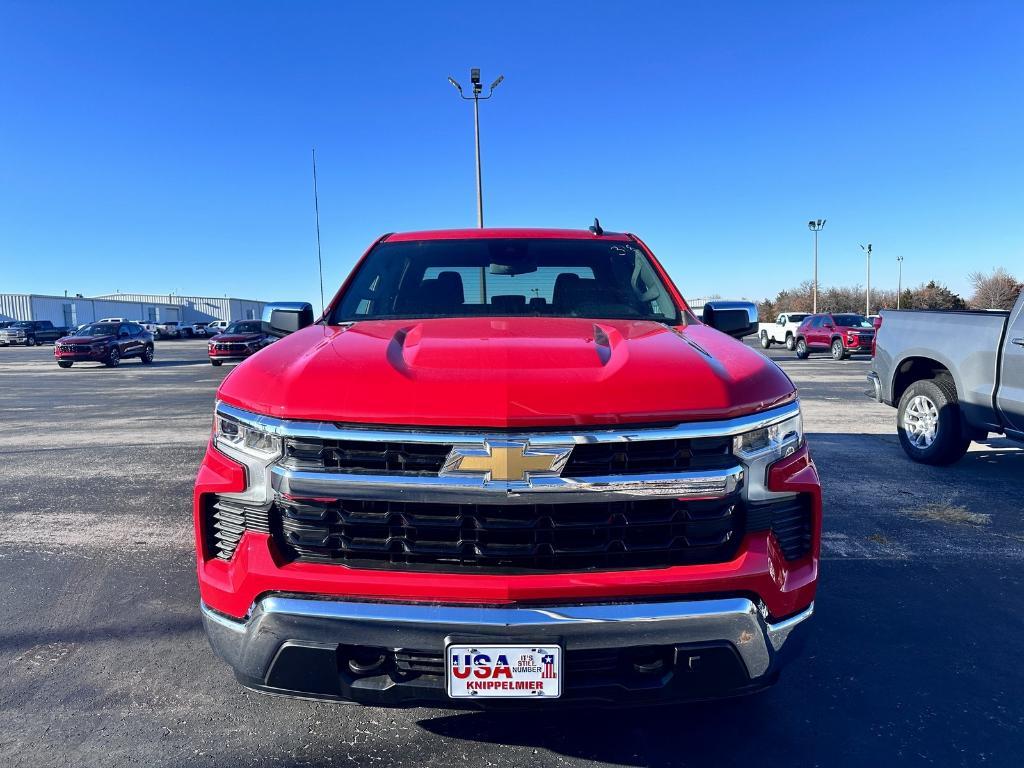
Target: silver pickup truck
953,376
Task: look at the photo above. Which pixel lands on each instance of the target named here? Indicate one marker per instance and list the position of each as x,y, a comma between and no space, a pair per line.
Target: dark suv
239,340
107,343
840,334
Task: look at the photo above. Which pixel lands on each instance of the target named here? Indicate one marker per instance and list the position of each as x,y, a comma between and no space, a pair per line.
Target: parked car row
841,335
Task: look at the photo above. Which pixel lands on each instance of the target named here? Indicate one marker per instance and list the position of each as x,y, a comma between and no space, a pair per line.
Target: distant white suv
782,331
217,326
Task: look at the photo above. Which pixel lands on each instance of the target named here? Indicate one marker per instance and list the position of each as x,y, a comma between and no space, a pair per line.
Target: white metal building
75,310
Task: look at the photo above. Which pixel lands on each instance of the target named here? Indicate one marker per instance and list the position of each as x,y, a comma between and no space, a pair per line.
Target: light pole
815,226
474,77
867,292
899,282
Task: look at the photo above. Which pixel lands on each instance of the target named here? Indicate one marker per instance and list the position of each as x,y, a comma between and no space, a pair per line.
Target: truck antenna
319,258
596,228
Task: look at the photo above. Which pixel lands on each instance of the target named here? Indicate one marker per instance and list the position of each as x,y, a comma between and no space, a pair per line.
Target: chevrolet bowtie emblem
506,461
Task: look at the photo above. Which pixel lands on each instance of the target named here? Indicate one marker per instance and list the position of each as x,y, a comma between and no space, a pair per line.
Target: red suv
107,343
842,335
238,341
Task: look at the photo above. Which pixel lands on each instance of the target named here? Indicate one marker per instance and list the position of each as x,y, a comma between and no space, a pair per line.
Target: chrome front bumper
254,646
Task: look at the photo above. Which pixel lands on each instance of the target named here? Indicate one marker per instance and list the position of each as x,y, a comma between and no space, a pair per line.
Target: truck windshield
852,321
506,277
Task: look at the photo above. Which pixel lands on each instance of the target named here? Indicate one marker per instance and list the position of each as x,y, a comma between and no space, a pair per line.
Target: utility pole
474,78
815,226
867,292
899,282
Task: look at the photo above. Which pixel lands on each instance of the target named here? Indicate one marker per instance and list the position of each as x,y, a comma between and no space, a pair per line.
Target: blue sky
166,146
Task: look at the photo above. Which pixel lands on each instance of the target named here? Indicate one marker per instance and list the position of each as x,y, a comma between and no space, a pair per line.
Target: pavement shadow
631,737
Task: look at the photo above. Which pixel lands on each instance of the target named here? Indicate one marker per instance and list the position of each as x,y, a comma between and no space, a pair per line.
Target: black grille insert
365,456
644,456
524,537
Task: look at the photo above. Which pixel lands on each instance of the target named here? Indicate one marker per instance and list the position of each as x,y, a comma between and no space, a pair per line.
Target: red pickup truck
507,464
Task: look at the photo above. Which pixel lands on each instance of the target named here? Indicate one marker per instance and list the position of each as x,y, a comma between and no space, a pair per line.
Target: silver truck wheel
928,422
921,421
30,341
765,341
790,342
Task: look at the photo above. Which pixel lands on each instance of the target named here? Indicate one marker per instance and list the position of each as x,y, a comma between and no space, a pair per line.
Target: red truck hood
506,373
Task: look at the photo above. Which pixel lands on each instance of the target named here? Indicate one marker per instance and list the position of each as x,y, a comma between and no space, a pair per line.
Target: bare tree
998,290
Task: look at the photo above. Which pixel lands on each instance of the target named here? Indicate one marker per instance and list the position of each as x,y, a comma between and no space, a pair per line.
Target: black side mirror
736,318
287,317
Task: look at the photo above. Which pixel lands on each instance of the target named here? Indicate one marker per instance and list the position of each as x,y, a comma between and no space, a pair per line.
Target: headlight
250,446
761,448
98,347
233,437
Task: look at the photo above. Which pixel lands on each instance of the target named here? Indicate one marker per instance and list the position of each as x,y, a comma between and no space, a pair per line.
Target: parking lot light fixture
476,98
899,282
867,290
815,226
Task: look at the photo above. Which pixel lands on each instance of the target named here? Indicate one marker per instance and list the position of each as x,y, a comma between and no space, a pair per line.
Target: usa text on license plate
504,671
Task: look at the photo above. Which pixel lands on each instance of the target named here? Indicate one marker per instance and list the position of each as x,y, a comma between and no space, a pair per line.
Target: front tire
113,358
765,341
838,350
802,351
216,363
790,342
147,355
30,342
65,363
928,423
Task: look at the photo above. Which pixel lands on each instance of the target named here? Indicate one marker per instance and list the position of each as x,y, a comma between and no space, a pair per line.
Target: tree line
991,290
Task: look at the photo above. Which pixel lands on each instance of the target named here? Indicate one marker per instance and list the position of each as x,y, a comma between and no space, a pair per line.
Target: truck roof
504,232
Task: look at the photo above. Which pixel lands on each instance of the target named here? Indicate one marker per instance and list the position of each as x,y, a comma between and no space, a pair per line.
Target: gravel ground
913,656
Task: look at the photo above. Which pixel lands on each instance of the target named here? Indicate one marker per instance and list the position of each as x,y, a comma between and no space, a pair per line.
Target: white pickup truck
782,331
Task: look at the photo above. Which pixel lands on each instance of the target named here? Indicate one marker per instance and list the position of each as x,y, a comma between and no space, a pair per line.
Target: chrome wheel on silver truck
790,342
928,423
765,341
921,421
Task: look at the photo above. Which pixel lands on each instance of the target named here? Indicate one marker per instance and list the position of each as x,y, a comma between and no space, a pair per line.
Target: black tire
765,341
936,397
790,342
216,363
838,350
147,355
113,357
65,363
30,341
802,351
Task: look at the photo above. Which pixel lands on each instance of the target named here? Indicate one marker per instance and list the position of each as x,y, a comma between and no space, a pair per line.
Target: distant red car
840,334
107,343
239,341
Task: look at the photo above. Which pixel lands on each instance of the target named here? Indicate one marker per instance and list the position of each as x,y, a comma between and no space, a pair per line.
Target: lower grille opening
226,520
789,521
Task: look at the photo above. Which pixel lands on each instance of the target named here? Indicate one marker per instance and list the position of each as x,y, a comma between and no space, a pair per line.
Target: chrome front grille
589,499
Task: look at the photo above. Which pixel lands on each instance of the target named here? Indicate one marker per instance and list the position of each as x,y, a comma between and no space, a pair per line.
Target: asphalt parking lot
914,654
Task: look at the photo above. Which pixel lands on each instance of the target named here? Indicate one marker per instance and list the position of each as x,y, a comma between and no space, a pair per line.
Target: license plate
504,671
